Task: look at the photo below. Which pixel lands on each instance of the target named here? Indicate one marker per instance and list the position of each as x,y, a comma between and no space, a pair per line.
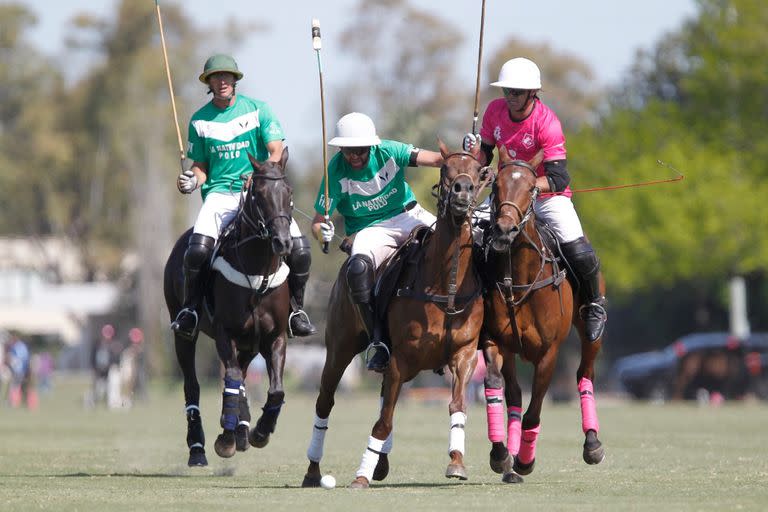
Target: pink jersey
524,139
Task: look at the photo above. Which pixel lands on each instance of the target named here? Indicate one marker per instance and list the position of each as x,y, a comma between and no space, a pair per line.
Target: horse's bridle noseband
260,225
444,198
524,215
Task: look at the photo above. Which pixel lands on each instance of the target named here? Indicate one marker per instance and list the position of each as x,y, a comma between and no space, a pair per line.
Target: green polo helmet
217,64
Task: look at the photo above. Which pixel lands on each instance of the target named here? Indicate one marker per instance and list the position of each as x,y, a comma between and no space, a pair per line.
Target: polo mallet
170,86
479,61
317,44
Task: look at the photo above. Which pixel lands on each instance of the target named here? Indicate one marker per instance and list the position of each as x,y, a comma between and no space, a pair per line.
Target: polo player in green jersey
366,184
221,136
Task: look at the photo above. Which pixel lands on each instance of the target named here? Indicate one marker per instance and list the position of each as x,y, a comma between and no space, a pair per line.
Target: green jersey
223,139
373,194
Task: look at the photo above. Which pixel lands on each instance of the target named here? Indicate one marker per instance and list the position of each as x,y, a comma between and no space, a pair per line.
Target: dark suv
714,361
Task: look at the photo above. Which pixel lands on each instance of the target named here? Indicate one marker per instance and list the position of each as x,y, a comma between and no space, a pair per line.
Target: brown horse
248,303
529,310
432,321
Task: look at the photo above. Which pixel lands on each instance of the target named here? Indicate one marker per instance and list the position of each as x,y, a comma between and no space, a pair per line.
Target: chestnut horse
529,311
248,302
432,321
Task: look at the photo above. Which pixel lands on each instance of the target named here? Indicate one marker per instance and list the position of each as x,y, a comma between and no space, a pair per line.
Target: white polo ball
328,482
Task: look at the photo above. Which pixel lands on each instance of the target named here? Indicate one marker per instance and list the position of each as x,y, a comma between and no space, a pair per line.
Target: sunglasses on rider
513,92
358,151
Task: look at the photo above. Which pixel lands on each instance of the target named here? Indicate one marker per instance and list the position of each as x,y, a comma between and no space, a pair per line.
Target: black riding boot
299,262
586,266
360,275
195,258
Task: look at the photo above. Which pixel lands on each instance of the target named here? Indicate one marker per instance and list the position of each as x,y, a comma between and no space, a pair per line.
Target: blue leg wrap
230,408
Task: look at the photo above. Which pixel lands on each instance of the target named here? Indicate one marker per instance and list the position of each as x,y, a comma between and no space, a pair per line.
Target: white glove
327,231
470,140
187,182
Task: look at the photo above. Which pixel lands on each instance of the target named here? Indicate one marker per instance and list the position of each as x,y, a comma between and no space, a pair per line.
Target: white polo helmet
355,130
519,73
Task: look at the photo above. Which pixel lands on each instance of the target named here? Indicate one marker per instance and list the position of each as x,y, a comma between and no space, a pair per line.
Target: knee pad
582,258
198,251
300,258
360,278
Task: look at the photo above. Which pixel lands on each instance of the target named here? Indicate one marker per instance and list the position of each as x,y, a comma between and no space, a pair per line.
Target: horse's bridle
260,224
444,193
524,215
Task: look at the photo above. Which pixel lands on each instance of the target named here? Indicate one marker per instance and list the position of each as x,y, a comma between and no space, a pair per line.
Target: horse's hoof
456,471
512,478
501,465
197,457
257,439
225,444
523,469
310,481
382,468
593,452
241,437
359,483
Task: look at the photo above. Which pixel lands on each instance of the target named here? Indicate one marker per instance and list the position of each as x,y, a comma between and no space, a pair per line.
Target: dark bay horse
432,321
248,304
529,311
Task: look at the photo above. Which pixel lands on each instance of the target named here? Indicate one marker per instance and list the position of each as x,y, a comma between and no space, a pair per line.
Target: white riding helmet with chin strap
355,130
519,73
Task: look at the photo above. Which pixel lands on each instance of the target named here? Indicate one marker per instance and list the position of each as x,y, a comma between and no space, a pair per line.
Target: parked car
713,361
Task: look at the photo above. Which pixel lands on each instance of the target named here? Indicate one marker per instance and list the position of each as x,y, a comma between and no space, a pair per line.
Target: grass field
672,457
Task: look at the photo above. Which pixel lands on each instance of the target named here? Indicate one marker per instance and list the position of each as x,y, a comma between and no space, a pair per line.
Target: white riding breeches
380,240
557,211
218,210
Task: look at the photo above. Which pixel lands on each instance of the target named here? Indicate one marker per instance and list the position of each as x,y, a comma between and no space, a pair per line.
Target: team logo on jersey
528,140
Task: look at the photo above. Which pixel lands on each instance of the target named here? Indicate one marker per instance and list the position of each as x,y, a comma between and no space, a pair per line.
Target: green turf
673,457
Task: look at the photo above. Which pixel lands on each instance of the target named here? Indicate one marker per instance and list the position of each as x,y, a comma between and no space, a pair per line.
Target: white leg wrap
315,450
387,448
456,437
370,458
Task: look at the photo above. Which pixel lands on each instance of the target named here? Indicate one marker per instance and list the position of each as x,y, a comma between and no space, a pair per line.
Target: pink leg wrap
528,445
514,427
494,408
588,410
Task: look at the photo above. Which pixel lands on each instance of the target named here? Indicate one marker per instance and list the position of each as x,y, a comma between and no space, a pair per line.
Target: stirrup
176,326
304,316
375,345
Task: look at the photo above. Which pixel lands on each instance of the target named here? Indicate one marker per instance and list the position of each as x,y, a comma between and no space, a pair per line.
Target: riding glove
470,140
187,182
327,230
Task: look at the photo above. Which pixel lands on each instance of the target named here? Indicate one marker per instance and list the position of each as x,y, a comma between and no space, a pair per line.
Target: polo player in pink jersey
524,125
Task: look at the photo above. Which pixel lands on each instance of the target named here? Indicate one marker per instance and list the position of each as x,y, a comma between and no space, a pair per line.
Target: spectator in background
105,360
43,370
5,372
22,385
132,368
